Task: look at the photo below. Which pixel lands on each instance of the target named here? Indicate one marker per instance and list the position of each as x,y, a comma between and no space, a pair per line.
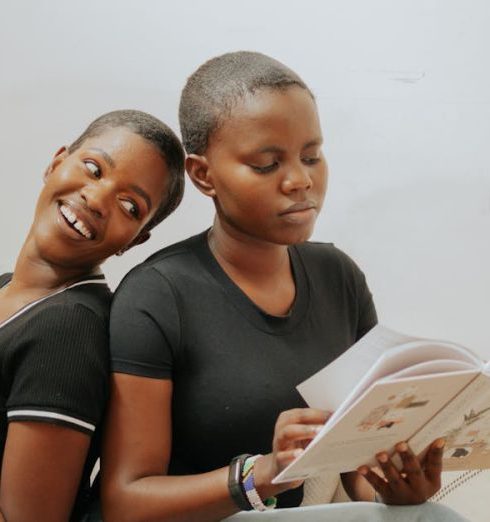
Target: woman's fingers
293,434
433,462
415,483
379,483
303,416
414,473
295,428
286,457
391,473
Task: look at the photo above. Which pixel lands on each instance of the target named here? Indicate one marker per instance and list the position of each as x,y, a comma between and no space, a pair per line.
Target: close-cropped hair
161,137
219,84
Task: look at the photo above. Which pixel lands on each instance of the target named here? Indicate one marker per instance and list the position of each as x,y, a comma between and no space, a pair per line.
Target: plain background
403,89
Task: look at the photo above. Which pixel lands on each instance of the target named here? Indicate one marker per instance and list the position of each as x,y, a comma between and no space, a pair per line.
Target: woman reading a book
101,195
210,336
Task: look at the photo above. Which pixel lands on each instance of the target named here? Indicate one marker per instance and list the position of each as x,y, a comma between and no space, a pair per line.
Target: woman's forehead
113,138
270,114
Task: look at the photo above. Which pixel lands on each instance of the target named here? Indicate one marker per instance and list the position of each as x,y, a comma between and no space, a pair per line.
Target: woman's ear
198,170
59,156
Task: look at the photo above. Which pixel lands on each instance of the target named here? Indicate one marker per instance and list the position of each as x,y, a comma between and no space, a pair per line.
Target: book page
379,353
430,368
327,388
389,412
465,424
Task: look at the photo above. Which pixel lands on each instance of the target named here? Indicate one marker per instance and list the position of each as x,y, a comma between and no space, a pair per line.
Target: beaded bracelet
235,482
248,484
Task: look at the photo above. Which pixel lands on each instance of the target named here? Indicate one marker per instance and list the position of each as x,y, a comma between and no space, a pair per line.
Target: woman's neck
35,274
261,269
245,254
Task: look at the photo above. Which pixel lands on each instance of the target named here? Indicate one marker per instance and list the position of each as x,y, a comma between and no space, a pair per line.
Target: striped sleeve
60,369
44,415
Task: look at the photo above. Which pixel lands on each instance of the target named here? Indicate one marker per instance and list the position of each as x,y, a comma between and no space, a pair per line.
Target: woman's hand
294,430
415,483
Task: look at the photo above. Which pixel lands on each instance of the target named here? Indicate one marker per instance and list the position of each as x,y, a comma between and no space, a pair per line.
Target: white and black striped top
54,360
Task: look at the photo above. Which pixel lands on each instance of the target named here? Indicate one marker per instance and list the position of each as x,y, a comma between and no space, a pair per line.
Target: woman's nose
297,178
97,197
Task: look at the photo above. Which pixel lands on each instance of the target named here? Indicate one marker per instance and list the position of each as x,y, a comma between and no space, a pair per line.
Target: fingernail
440,443
297,452
316,429
382,457
362,470
402,447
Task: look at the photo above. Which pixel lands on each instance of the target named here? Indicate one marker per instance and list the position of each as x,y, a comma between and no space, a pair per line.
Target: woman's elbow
116,505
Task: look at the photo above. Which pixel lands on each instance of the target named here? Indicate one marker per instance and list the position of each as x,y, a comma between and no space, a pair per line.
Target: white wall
404,95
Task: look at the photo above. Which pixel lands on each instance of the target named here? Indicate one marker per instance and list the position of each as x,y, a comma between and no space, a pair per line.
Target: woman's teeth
76,222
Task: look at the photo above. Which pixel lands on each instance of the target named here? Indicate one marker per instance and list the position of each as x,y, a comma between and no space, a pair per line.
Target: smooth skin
115,181
265,171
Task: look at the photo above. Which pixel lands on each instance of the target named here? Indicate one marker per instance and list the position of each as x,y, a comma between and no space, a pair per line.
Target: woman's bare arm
135,459
41,470
137,449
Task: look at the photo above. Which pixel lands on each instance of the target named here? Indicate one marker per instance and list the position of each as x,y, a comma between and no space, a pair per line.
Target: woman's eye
266,169
93,168
130,207
311,161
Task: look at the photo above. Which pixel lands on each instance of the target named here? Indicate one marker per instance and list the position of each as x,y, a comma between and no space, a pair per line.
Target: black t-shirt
54,364
234,367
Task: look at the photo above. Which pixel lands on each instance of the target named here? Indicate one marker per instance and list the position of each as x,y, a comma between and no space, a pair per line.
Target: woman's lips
299,207
77,219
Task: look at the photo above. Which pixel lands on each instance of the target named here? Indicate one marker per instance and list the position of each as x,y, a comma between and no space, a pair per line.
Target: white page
465,424
355,438
401,357
431,368
379,353
327,388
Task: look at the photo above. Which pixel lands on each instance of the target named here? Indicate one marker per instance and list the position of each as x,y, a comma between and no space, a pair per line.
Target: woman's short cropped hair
216,86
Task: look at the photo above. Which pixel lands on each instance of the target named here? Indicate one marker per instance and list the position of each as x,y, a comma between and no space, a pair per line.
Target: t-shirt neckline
270,323
93,278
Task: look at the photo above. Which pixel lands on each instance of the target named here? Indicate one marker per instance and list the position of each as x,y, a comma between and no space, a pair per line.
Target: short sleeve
366,311
368,317
145,328
60,369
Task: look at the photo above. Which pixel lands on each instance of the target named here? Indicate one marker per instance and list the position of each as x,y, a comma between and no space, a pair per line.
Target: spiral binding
455,484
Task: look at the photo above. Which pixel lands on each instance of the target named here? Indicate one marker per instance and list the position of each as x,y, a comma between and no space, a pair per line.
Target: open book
389,387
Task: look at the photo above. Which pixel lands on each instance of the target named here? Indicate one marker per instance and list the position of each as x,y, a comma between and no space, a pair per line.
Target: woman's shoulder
180,259
83,302
62,327
93,296
82,305
328,263
317,252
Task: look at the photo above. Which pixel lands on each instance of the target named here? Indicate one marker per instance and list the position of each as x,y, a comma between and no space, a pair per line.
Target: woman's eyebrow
106,156
313,143
273,148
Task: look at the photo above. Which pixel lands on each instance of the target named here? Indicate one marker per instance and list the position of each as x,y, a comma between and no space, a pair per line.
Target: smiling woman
101,195
97,198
